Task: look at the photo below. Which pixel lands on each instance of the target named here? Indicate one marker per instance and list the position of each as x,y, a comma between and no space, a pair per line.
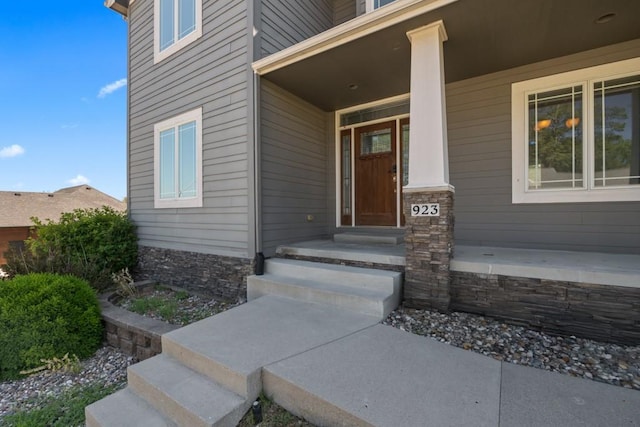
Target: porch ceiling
485,36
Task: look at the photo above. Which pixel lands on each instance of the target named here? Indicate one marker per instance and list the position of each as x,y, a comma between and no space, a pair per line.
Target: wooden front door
375,174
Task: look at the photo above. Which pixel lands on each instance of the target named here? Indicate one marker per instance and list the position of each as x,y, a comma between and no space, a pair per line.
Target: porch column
428,197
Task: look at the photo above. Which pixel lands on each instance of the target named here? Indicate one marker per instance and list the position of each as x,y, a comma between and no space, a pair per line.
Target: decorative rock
611,363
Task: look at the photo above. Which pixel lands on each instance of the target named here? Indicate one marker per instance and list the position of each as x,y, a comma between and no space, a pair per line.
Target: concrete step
368,238
183,395
124,409
383,280
382,376
372,302
232,347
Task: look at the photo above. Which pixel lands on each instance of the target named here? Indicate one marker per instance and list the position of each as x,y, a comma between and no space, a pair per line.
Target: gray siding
287,22
293,169
211,73
343,10
479,122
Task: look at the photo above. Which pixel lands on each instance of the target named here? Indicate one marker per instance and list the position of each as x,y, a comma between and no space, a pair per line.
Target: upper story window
576,136
176,24
178,161
375,4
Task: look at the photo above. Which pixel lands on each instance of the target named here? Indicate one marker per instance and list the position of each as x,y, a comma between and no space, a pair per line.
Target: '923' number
429,209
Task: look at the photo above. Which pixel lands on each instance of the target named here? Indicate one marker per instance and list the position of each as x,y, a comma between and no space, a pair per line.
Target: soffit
485,36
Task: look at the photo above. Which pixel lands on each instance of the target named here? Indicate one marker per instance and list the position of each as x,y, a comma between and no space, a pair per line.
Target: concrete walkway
386,377
338,368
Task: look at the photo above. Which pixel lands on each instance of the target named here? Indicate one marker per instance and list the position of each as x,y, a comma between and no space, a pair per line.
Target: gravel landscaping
608,363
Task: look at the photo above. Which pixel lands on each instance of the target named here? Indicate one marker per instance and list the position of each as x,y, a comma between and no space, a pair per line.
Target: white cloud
111,87
69,126
79,180
12,151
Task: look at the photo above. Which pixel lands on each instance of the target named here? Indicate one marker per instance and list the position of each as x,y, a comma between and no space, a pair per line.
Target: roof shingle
17,208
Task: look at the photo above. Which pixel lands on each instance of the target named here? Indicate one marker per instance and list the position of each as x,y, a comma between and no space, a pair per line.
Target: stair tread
125,409
326,287
190,390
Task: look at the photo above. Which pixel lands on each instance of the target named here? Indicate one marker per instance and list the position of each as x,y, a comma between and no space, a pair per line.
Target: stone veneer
600,312
429,248
211,275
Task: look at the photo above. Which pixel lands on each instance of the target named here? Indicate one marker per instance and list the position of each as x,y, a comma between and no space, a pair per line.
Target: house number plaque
427,209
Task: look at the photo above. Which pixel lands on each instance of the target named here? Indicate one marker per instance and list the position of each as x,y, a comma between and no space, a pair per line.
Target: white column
428,157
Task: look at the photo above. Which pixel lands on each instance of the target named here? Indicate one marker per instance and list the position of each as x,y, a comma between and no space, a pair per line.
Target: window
576,136
375,4
178,161
176,24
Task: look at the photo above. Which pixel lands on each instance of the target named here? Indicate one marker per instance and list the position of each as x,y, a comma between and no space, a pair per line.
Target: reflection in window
187,160
380,3
177,20
405,155
167,164
555,126
617,132
374,142
374,113
346,175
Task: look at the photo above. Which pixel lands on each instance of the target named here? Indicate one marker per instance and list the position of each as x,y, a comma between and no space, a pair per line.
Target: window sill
577,196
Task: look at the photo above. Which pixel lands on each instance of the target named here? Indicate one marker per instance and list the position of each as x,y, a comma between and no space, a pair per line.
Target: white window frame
519,136
177,44
175,122
370,6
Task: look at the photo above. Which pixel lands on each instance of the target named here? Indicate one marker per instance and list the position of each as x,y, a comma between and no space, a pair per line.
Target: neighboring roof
17,208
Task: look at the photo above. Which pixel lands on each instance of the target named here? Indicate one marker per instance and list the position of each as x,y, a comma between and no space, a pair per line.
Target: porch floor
570,266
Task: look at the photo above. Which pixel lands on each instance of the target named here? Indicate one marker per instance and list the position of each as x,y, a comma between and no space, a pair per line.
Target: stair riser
258,286
346,278
124,409
247,386
90,421
367,239
163,403
306,405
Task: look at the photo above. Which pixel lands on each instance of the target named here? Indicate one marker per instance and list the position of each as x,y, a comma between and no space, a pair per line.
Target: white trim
428,148
589,193
371,104
363,25
177,44
190,116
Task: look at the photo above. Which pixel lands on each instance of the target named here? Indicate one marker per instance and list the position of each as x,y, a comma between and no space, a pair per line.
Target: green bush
88,243
45,316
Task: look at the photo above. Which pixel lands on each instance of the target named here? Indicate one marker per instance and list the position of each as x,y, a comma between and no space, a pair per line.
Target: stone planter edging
136,335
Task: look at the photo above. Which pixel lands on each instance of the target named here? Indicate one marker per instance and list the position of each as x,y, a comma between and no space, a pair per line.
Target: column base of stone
429,248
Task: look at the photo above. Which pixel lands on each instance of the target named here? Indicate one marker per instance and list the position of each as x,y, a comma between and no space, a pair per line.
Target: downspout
254,10
128,125
256,163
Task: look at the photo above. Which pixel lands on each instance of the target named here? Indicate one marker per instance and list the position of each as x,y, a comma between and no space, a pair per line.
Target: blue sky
62,96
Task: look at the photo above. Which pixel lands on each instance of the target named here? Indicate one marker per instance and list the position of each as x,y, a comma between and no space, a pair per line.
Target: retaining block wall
134,334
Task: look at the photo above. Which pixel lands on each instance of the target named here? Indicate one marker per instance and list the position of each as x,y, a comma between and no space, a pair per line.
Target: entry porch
594,295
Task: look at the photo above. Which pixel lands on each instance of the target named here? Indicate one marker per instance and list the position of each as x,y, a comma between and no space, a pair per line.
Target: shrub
44,316
89,243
